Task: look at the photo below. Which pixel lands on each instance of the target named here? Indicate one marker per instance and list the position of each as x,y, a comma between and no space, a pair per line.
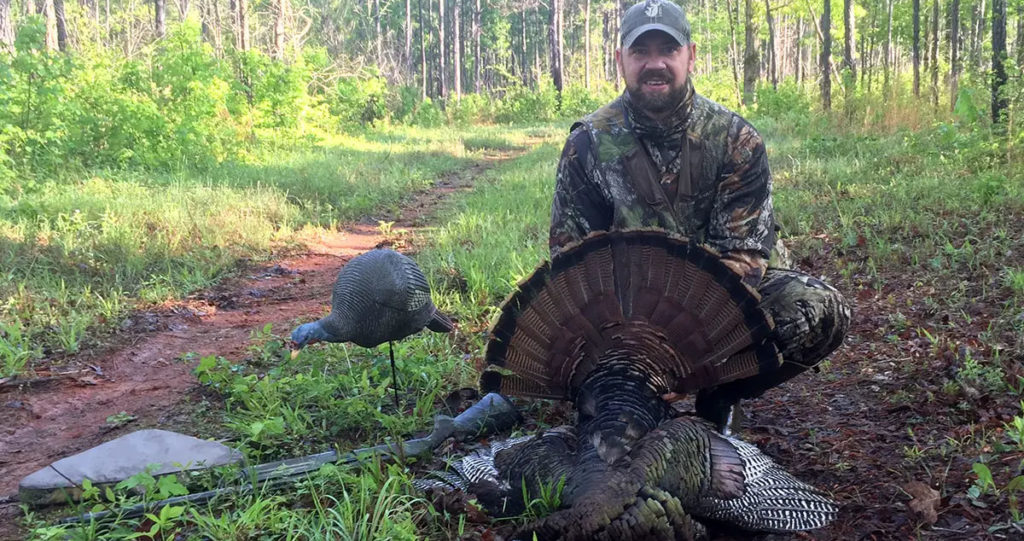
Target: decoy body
379,296
613,324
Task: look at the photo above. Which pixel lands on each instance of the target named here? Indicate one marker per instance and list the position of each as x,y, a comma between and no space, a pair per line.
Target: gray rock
163,451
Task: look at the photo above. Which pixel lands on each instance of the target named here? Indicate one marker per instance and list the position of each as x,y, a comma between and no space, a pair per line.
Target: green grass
78,252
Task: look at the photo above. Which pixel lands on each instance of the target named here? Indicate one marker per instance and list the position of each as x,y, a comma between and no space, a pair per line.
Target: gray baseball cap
663,15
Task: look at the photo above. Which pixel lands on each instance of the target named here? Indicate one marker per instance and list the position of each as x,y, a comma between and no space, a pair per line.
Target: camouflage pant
811,320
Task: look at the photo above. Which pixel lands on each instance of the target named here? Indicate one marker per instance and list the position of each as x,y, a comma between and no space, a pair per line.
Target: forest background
147,148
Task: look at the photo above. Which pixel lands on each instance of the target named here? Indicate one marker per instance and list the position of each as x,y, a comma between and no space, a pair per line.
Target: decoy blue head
307,333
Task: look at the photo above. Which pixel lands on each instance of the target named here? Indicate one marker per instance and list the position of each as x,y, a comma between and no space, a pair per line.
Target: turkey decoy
613,324
379,296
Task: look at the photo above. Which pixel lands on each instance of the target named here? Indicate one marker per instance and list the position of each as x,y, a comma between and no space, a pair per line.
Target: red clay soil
60,412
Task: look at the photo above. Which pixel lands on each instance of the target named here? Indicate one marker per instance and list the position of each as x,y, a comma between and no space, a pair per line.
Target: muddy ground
840,429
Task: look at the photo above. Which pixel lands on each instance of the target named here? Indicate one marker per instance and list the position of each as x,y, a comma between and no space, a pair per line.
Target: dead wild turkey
612,324
379,296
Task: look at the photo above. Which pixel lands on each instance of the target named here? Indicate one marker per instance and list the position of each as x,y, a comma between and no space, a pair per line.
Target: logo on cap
653,9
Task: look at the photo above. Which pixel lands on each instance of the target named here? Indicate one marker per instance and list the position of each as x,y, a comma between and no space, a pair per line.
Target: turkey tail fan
686,316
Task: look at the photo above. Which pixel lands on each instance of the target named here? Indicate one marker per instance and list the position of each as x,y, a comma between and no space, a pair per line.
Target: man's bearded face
656,67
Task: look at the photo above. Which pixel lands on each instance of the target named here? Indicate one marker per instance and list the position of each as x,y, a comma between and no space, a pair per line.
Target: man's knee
811,317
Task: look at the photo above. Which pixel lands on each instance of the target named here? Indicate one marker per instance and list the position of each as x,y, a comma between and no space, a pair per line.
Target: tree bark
555,38
773,63
407,53
6,27
456,51
525,56
935,53
279,15
887,64
477,52
46,10
441,48
378,36
750,58
586,41
734,50
423,54
61,24
826,56
160,18
243,24
218,33
954,53
849,31
917,47
999,101
978,33
1020,34
798,56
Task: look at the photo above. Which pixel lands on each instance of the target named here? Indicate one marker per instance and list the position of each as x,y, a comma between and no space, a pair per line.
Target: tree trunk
477,52
423,54
407,52
378,36
159,18
826,56
798,56
734,51
1020,34
6,27
525,56
218,34
279,15
998,64
849,34
441,50
935,53
773,63
917,47
586,41
555,38
456,51
887,64
750,59
243,24
978,33
926,41
46,10
954,54
61,24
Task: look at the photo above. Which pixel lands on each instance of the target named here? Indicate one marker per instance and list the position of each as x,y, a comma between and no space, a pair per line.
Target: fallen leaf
924,501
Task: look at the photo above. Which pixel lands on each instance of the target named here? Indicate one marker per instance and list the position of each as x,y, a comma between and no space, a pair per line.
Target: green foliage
578,101
547,501
361,100
521,104
787,104
328,394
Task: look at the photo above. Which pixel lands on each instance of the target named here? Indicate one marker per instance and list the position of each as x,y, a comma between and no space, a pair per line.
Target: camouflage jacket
715,188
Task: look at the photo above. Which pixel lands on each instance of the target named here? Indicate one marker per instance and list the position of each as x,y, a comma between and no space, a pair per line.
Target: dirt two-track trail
63,410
